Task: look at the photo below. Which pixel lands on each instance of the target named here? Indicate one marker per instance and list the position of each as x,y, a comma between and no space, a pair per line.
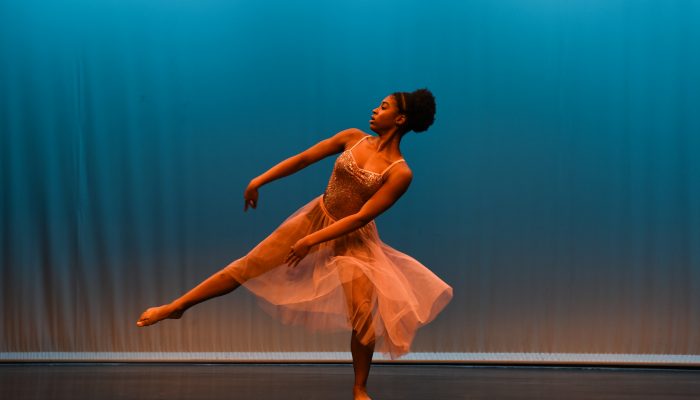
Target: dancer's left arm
398,180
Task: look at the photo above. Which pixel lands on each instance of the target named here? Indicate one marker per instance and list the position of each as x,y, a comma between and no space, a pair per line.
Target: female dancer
339,274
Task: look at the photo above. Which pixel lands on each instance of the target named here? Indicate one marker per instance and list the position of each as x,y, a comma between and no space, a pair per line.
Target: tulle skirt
355,282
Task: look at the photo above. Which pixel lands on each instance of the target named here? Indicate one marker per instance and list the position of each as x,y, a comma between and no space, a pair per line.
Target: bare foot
360,393
155,314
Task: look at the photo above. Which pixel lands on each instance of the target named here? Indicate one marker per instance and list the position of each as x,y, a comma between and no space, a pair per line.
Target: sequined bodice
350,186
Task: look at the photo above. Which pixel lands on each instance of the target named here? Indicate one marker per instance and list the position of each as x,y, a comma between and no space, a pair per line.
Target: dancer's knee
225,276
362,318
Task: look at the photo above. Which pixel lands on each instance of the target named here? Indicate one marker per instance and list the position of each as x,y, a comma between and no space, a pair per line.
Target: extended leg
268,254
216,285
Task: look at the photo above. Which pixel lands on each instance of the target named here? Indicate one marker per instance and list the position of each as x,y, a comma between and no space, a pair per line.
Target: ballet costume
354,282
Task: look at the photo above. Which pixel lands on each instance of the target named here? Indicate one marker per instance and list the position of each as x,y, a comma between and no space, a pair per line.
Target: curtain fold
558,191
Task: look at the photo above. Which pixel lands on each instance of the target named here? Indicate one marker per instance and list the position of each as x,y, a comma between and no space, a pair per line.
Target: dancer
325,266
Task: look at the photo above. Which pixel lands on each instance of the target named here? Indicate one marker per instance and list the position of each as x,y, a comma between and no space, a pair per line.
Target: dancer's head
404,111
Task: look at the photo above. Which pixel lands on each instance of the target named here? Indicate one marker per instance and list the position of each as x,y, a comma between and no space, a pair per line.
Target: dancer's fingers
289,256
249,203
293,260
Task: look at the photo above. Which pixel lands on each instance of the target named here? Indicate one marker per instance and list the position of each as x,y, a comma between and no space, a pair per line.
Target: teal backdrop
558,191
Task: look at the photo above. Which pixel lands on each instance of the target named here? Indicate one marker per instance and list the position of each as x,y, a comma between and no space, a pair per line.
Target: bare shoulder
400,174
348,137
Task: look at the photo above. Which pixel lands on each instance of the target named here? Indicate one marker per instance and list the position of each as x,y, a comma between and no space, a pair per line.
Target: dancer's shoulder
332,145
350,136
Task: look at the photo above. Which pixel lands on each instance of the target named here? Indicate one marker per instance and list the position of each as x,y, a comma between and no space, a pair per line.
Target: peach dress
352,282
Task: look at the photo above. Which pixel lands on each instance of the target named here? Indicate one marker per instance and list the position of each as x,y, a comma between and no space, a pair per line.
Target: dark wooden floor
334,381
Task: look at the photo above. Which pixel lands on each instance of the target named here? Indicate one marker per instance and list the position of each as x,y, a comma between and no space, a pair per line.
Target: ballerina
325,266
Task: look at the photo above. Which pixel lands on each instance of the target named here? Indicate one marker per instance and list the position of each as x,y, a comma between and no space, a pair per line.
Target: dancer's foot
360,393
155,314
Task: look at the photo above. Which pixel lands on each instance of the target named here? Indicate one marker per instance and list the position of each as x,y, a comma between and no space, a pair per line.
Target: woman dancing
339,275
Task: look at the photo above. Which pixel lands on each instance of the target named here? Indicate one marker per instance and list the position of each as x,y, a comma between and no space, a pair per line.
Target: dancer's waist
321,202
336,208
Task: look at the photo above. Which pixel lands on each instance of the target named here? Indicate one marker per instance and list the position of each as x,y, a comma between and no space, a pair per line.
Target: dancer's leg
361,362
270,253
359,296
216,285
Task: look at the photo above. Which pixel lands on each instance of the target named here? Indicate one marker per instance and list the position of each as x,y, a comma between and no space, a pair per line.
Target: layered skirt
354,282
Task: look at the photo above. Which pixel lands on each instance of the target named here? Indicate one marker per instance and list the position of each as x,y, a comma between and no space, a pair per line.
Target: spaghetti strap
358,142
392,164
385,169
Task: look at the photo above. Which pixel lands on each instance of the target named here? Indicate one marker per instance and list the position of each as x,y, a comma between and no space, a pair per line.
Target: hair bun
420,113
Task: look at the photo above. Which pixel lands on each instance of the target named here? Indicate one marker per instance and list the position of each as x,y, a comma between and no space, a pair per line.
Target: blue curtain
558,191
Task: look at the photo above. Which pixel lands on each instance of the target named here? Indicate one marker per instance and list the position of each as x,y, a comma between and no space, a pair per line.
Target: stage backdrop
558,191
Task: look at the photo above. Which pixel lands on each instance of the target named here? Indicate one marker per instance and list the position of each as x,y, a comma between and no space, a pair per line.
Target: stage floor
106,381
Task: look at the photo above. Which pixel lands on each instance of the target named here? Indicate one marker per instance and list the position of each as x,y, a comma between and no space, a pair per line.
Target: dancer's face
386,116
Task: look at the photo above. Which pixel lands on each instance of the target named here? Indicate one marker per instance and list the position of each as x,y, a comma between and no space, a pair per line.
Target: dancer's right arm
333,145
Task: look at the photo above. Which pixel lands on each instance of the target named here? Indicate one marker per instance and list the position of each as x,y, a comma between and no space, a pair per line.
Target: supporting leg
216,285
358,292
361,363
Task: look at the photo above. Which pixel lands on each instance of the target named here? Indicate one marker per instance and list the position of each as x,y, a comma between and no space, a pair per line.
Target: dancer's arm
333,145
398,180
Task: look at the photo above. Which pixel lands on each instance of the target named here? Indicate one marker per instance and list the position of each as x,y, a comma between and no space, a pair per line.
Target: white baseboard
447,358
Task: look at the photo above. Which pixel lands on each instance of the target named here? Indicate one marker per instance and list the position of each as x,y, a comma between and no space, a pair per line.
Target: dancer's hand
251,196
298,251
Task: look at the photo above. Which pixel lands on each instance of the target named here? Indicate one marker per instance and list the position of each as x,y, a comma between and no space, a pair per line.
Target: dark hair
419,108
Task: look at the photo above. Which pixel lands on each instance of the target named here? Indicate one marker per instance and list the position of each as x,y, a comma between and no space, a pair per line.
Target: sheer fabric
353,282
